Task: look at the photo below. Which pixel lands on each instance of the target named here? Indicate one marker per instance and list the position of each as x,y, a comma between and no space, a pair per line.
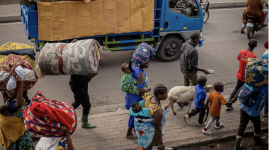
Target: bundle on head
143,53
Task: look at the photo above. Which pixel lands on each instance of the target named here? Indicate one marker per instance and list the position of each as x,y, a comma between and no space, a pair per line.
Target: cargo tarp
74,19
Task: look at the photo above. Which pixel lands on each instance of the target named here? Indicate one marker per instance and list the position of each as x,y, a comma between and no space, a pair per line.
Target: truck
174,21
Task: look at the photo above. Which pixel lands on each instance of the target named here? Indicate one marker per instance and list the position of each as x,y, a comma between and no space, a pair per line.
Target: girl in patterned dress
150,120
11,111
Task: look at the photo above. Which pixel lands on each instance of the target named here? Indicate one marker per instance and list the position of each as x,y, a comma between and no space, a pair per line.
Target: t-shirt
216,100
200,94
243,58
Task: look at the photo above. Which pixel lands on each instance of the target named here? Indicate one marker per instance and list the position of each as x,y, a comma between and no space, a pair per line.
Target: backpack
248,95
257,72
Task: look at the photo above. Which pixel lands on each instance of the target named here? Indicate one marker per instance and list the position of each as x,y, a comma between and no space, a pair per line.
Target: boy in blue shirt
199,101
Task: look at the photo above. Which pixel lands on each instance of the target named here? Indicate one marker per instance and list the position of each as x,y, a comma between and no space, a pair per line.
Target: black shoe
180,104
229,107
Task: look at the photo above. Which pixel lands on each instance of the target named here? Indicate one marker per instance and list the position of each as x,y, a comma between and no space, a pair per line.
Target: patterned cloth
257,72
144,123
47,120
142,54
130,84
79,58
24,50
25,141
9,65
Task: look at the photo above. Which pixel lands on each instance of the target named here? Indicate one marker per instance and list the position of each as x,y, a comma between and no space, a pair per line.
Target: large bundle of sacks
44,117
16,59
78,58
256,82
257,72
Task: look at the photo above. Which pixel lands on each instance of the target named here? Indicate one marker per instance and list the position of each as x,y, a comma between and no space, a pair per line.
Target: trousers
244,119
239,84
80,91
195,112
211,120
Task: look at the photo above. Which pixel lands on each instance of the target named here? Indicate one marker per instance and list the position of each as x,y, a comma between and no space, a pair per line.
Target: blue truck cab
174,21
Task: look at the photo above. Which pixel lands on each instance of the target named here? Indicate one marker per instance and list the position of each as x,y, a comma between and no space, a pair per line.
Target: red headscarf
266,45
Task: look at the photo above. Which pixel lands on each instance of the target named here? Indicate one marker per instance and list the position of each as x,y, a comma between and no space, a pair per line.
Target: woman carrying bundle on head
13,135
141,59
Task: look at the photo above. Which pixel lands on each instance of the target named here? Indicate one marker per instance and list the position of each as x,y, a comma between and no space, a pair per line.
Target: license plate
250,24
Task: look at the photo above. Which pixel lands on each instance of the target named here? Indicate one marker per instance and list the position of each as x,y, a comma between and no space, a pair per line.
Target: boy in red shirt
243,58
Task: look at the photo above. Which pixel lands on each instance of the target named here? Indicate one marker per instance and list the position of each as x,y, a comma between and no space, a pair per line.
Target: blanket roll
79,58
44,117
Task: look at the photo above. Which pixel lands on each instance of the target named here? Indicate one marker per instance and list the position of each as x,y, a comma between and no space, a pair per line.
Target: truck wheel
169,49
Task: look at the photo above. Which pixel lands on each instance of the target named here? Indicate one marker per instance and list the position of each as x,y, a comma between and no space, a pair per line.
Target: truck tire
169,49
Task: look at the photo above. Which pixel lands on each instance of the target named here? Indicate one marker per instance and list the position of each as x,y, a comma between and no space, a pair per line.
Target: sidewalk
11,12
111,130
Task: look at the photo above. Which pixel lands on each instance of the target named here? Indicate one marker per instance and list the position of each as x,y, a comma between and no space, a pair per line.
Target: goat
184,94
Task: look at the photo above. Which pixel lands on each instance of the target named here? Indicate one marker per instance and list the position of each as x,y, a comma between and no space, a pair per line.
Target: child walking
199,101
216,100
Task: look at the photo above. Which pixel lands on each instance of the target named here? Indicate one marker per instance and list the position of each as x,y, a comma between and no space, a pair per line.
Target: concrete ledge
231,135
10,18
226,5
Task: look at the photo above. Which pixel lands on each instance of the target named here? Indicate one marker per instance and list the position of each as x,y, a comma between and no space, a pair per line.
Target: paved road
221,47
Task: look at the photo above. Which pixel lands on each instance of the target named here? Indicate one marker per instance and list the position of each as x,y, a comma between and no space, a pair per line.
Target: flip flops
134,136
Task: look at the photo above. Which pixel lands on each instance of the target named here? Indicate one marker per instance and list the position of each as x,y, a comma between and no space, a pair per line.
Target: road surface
222,44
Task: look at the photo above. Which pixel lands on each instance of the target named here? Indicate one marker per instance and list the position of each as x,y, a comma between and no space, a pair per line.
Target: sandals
134,136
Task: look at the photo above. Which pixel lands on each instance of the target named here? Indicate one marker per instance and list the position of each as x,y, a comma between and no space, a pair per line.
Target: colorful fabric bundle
44,117
142,54
257,72
9,67
21,49
129,84
79,58
144,121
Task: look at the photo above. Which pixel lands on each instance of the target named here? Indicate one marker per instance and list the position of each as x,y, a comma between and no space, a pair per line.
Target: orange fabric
254,8
243,58
216,100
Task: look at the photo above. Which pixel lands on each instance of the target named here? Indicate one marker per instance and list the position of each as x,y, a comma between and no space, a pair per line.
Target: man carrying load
79,86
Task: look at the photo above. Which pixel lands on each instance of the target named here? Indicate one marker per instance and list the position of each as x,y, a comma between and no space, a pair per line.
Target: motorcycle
206,13
252,26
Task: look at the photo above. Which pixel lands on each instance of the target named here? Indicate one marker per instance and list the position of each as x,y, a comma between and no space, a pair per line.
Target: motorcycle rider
255,8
